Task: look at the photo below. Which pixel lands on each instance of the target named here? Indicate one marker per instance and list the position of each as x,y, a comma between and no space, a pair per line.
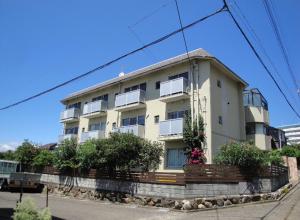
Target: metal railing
97,134
138,130
96,106
70,113
173,86
128,98
171,127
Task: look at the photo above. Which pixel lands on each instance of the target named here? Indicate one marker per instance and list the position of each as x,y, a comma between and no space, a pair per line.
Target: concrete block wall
168,191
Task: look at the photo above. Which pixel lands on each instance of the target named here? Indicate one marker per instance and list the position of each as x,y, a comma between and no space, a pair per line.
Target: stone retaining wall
167,190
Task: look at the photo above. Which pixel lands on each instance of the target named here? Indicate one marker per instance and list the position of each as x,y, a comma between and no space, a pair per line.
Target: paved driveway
65,208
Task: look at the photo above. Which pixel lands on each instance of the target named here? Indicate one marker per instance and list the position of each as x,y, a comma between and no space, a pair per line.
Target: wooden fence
208,173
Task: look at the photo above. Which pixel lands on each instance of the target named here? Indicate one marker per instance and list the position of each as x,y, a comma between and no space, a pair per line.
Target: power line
276,31
259,58
183,35
115,60
251,30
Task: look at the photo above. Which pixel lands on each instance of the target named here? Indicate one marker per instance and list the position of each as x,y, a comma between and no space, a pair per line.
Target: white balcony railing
173,86
71,113
171,127
97,134
138,130
96,106
127,98
63,137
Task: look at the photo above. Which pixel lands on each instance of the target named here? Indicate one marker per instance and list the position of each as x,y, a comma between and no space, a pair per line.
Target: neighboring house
292,132
258,127
151,103
50,146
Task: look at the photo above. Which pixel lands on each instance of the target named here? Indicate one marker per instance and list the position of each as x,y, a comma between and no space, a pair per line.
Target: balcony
174,90
97,134
63,137
171,129
70,115
138,130
95,109
130,100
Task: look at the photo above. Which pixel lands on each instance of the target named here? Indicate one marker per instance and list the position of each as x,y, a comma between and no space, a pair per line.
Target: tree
43,158
65,155
194,138
25,154
88,156
7,155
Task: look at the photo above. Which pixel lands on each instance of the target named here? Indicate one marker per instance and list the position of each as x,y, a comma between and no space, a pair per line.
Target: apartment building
292,133
151,102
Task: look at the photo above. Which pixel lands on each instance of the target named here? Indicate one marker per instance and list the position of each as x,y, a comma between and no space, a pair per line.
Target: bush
43,158
25,154
87,155
274,157
290,151
65,155
244,155
27,210
7,155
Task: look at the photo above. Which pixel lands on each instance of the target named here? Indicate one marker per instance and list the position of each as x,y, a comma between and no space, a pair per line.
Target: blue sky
43,43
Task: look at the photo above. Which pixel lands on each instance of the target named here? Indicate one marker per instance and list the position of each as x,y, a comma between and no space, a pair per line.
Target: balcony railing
173,86
72,113
136,96
63,137
96,106
97,134
171,127
138,130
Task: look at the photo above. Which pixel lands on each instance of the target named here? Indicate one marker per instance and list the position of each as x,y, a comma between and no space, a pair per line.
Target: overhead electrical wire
275,27
259,58
115,60
251,30
183,35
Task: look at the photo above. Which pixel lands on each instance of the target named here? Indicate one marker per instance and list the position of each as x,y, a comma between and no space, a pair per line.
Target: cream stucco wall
256,114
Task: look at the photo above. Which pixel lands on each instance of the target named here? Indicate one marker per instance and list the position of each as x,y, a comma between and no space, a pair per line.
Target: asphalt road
66,208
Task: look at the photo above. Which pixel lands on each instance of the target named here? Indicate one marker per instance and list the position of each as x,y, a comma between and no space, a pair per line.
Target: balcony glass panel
171,127
70,113
174,86
97,134
131,97
96,106
137,130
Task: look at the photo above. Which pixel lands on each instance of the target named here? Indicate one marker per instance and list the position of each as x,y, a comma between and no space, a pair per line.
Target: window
73,130
177,114
114,125
219,83
134,120
156,119
97,126
157,85
74,105
184,75
250,129
220,120
141,86
101,97
175,158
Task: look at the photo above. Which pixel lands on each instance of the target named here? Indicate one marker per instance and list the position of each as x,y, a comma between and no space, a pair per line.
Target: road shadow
7,213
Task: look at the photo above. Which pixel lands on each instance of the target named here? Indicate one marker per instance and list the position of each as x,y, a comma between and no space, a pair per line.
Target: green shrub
65,155
7,155
27,210
244,155
273,157
43,158
87,155
290,151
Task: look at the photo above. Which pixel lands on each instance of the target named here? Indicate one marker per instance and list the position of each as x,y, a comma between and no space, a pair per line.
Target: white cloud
9,146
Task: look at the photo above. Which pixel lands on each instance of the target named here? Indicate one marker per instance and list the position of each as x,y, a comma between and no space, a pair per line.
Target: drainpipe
192,91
